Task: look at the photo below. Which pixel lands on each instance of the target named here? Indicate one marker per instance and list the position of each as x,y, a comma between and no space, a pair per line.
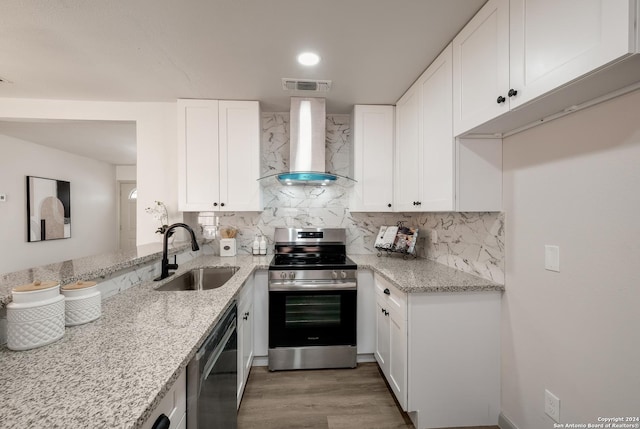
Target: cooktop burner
311,249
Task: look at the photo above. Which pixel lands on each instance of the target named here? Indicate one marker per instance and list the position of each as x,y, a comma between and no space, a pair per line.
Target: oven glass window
306,311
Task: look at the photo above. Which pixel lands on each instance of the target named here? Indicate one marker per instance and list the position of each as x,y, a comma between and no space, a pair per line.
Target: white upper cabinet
519,61
556,41
198,158
408,166
481,67
437,135
372,145
424,173
218,155
239,123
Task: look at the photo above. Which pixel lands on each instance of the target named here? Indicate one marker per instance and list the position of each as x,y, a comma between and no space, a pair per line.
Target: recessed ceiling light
308,59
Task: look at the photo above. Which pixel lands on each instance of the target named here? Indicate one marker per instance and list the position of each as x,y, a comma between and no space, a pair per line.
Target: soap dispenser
256,245
263,246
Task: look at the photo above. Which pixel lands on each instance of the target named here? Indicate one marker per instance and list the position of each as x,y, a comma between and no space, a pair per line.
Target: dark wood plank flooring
328,399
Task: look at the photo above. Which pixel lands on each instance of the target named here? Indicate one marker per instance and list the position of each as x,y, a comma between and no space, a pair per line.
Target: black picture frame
48,209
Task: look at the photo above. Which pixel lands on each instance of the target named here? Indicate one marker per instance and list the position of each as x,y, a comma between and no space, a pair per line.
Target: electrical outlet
552,258
552,406
434,236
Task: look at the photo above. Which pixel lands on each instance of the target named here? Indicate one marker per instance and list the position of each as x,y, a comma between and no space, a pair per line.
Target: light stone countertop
86,268
114,371
423,275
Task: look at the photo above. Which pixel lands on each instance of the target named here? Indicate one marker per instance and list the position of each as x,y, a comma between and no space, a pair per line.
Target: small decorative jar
35,318
83,303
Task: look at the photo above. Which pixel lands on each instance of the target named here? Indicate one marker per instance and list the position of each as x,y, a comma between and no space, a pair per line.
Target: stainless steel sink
200,279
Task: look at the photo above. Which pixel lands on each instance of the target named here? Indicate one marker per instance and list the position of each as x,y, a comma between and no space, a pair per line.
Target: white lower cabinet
366,316
173,406
391,337
440,354
261,316
245,336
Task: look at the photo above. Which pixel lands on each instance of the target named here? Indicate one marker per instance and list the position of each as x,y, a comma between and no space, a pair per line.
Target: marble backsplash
471,242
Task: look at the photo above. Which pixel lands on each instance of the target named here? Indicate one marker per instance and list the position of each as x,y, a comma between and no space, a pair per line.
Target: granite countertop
423,275
114,371
86,268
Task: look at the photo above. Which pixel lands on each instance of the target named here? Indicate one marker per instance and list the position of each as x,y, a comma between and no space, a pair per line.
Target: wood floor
329,398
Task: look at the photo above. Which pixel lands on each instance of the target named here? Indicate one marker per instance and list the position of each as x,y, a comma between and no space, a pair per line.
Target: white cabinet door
382,336
437,137
408,163
397,376
219,155
556,41
366,314
372,145
247,340
261,313
198,161
481,67
245,336
239,128
173,405
391,337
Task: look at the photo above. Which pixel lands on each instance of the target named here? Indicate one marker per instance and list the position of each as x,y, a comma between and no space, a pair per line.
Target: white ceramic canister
83,303
227,247
35,318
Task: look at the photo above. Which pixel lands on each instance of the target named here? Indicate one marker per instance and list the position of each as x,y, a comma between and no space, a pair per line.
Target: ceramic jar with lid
35,318
83,303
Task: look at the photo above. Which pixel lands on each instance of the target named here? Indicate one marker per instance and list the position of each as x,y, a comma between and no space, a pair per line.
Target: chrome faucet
166,266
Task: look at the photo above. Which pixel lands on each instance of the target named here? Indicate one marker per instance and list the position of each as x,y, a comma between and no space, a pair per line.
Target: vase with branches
160,213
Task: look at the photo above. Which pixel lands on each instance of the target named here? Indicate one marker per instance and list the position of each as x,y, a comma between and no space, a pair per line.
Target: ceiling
162,50
113,142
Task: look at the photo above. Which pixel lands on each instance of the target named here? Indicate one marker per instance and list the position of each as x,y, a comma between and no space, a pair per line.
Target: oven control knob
334,275
343,274
292,275
283,275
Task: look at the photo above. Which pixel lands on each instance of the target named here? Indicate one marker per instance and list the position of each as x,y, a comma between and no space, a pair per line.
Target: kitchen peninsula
116,370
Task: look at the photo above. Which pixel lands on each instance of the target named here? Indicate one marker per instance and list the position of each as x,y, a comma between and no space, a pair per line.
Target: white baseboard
364,358
505,423
260,361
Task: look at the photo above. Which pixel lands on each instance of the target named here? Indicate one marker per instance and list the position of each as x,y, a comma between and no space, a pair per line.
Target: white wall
156,132
126,172
575,183
93,204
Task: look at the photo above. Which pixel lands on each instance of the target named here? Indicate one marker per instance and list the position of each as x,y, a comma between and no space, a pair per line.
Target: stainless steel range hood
307,144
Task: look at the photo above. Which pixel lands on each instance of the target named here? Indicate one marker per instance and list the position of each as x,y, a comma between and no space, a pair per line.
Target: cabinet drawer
393,298
173,405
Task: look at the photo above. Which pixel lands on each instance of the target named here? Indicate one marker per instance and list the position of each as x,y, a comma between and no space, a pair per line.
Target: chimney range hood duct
307,144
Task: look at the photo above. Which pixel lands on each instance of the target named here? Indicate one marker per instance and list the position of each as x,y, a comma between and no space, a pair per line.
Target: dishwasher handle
215,354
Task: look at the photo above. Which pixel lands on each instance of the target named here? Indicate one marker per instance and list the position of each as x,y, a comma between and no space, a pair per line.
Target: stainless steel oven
312,300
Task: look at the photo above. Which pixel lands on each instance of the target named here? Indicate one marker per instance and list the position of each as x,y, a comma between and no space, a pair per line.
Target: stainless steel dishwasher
212,378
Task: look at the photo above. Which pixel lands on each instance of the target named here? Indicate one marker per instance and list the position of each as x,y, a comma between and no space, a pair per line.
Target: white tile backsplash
471,242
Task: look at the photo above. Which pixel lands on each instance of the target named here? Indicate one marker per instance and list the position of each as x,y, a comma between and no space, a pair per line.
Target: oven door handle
284,287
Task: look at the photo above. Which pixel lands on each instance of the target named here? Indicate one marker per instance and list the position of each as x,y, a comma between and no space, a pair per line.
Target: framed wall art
48,209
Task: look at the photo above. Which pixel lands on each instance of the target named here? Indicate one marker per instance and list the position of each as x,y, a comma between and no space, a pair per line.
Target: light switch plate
552,258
